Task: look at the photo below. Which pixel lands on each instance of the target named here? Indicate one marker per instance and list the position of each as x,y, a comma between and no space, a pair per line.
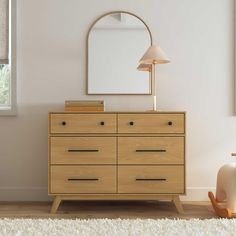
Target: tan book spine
84,103
84,108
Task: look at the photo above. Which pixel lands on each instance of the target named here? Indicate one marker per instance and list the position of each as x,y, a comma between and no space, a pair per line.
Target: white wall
196,35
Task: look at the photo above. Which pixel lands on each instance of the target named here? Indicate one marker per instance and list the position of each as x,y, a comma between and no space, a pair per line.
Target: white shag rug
116,227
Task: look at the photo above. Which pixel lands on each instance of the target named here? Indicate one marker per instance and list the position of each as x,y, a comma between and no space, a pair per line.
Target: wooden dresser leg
178,204
55,205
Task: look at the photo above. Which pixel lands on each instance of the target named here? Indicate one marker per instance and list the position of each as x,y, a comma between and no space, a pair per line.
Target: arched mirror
115,43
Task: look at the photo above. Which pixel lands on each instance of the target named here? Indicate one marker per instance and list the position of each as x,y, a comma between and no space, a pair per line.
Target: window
7,55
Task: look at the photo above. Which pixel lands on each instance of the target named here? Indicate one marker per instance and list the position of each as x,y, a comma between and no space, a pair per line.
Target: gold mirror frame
87,57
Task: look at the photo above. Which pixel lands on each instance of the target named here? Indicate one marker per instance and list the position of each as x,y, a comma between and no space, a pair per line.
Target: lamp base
152,111
154,103
154,106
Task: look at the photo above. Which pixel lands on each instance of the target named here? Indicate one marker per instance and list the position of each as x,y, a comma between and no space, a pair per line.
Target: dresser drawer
151,150
151,179
83,123
151,123
83,179
83,150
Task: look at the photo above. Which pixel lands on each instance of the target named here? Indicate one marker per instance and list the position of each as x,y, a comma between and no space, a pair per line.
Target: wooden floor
107,209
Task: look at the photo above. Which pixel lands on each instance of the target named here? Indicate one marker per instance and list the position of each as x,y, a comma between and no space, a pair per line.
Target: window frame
12,110
234,57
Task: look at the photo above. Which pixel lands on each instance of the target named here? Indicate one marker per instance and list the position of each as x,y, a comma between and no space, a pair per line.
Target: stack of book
84,105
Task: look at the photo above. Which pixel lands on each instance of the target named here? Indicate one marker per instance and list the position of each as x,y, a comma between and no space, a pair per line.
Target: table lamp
154,55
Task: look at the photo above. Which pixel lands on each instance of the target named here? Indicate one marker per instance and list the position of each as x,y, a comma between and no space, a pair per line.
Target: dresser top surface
119,112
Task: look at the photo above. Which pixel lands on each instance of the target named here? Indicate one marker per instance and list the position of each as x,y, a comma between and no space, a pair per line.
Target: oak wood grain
83,150
82,123
83,179
151,150
151,179
151,123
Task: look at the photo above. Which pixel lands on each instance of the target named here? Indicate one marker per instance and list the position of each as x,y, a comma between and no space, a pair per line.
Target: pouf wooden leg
220,211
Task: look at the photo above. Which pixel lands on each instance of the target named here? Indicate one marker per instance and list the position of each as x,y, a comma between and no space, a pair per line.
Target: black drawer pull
82,150
63,123
131,123
79,179
161,179
170,123
102,123
151,150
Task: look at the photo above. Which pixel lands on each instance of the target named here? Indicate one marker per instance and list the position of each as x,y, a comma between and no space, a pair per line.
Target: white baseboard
24,194
40,194
197,194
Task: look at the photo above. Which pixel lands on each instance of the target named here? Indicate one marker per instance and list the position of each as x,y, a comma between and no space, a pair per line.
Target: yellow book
86,103
83,108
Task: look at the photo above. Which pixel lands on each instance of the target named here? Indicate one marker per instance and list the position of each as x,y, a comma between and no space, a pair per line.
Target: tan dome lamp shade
154,55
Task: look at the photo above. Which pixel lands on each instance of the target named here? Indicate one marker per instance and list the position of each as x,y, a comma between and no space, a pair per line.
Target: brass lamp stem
154,87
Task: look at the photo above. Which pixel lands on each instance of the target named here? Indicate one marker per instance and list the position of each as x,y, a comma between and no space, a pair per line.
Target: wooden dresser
116,156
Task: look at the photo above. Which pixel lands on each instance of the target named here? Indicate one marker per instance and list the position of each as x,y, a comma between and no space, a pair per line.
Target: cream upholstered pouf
226,186
225,202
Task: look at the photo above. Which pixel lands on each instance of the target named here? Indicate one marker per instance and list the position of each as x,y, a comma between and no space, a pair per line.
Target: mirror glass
116,42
